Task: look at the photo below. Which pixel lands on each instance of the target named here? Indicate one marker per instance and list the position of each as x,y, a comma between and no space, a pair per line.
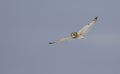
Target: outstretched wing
61,40
87,27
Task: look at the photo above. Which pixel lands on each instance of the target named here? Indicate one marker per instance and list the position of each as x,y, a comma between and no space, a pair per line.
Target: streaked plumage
77,35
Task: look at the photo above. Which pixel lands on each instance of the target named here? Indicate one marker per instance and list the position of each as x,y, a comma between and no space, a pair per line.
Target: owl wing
86,28
61,40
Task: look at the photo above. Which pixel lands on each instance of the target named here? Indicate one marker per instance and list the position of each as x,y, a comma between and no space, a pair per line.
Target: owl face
74,35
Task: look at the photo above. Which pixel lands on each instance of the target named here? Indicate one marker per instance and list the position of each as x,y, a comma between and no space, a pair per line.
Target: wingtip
96,17
51,42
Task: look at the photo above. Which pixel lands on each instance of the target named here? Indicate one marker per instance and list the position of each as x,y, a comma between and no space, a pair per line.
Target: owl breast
74,35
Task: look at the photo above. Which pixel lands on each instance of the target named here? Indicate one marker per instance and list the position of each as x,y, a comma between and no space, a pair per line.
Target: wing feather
86,28
61,40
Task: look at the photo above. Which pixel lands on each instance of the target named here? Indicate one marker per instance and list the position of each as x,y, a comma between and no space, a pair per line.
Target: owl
77,35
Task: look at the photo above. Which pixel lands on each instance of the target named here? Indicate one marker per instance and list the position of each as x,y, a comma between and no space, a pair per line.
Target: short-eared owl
77,35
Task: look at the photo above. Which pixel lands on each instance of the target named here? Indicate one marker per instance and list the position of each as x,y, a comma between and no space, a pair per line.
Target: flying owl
77,35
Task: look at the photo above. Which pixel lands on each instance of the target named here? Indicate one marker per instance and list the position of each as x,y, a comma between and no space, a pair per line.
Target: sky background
26,27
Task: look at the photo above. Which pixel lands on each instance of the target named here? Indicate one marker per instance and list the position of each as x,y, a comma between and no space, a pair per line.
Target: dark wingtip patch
51,42
96,18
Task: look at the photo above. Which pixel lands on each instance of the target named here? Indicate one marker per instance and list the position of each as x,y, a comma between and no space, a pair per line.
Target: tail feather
81,37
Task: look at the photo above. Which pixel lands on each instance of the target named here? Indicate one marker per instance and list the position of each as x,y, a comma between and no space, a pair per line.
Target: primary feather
61,40
86,28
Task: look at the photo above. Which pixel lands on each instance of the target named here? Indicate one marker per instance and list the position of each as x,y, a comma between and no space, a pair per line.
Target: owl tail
81,37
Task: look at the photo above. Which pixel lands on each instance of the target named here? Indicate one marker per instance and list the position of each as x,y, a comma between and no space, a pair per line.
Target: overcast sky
26,27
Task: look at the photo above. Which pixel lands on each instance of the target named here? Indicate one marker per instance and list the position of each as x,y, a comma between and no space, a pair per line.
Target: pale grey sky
27,26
